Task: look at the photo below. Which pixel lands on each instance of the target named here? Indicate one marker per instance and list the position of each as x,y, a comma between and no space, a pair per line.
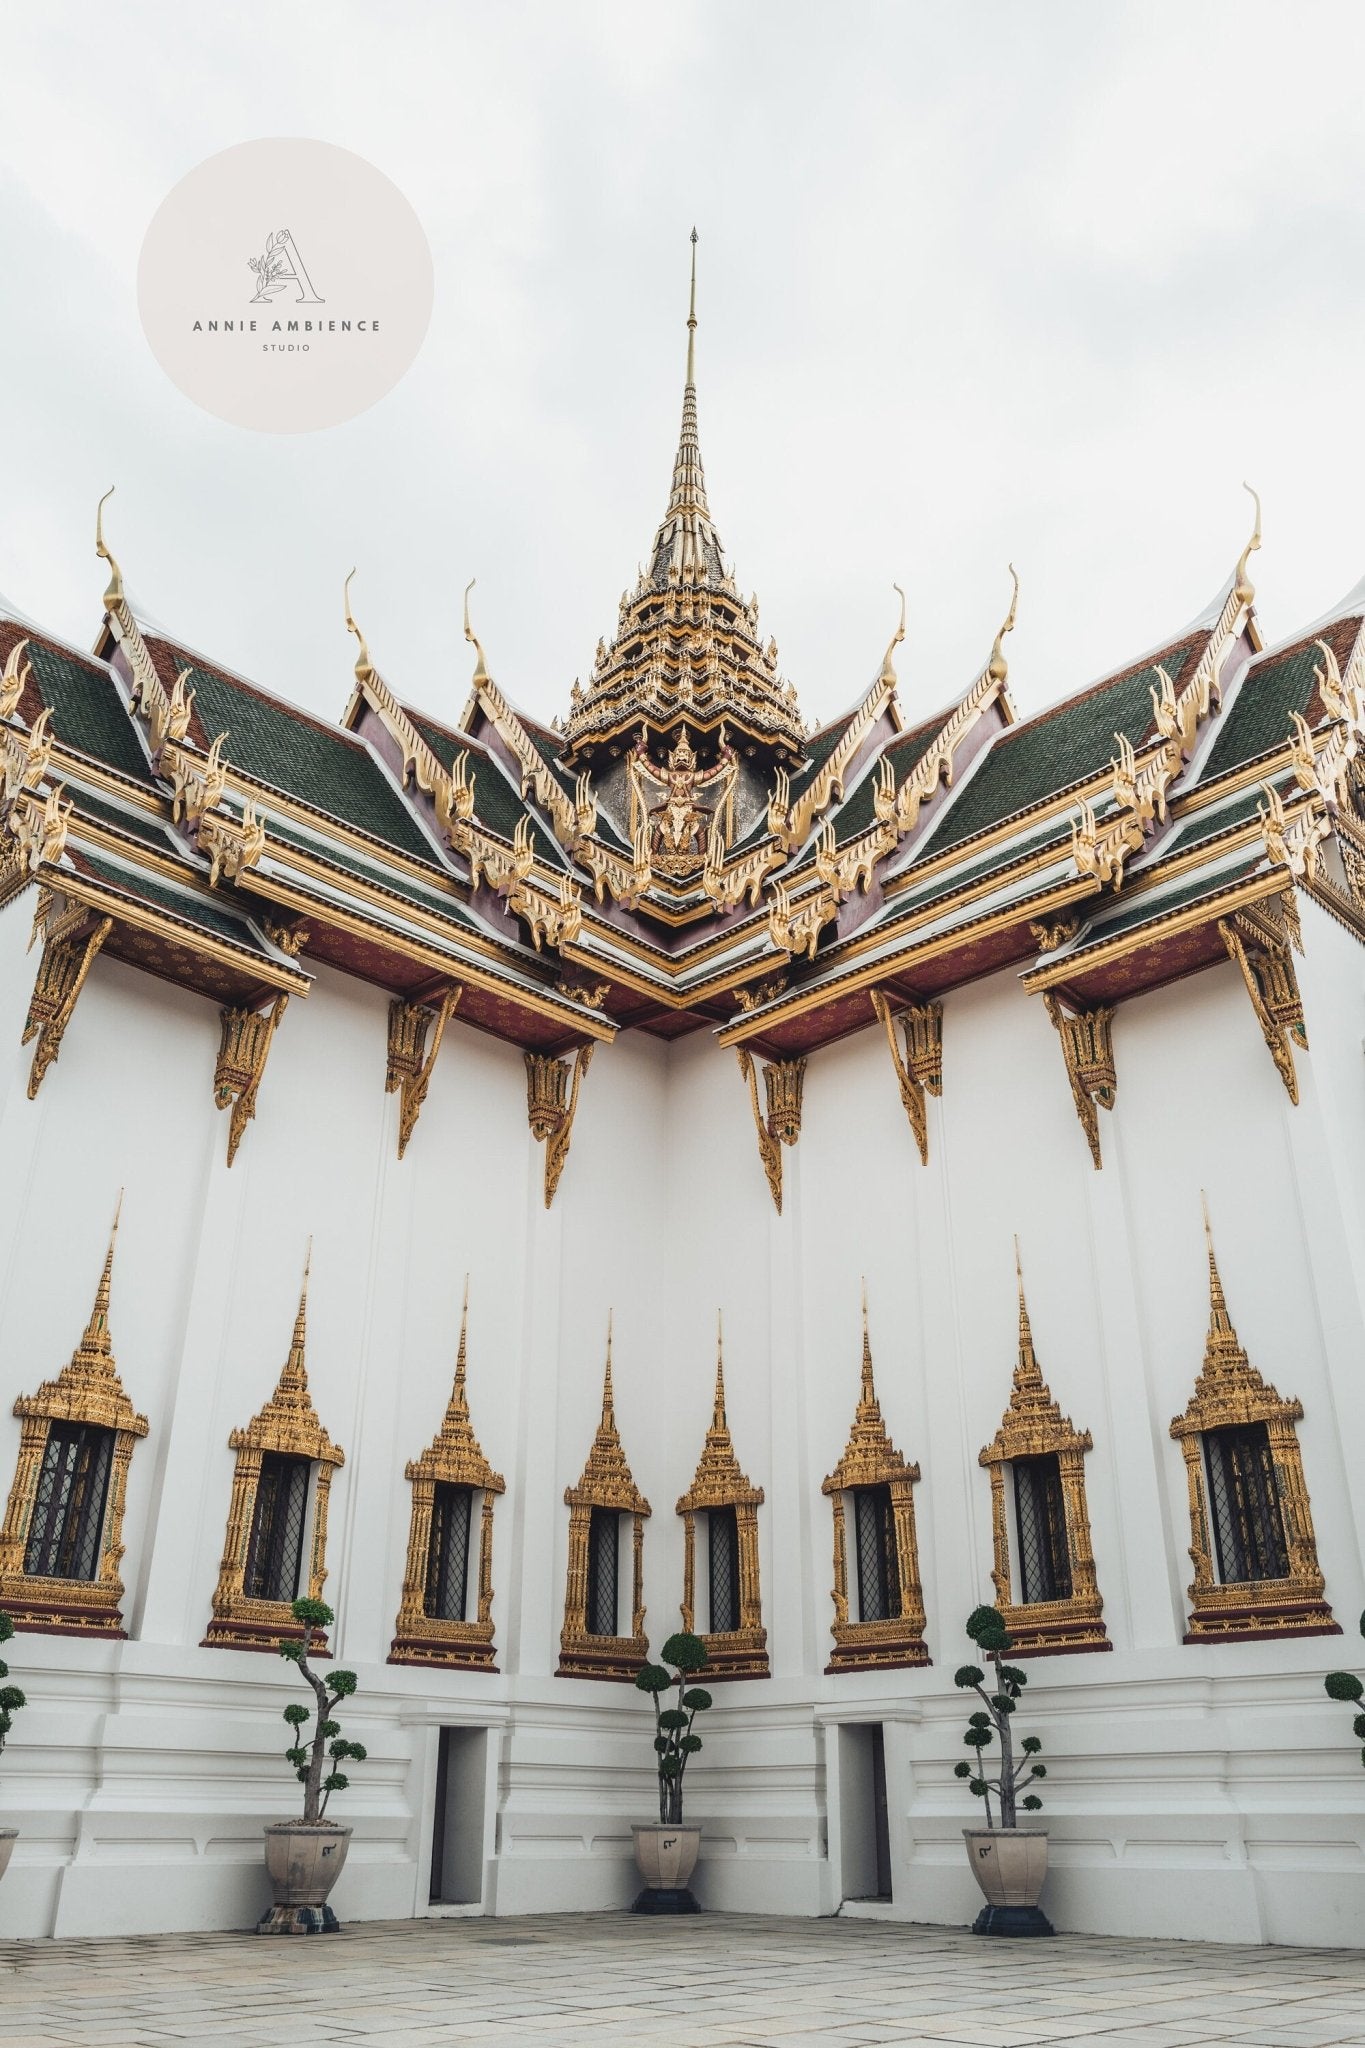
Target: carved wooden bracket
70,943
411,1063
921,1066
1266,963
242,1054
1088,1047
552,1087
784,1085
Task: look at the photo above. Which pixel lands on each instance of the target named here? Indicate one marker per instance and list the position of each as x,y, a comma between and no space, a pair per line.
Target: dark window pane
275,1553
879,1579
1248,1526
1040,1513
602,1572
448,1553
722,1531
68,1512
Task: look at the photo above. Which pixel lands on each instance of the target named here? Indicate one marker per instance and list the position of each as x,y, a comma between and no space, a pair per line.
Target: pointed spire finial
480,666
295,1371
114,594
692,317
97,1329
608,1400
869,1390
460,1355
1245,588
1028,1367
997,666
1219,1318
364,667
718,1409
888,667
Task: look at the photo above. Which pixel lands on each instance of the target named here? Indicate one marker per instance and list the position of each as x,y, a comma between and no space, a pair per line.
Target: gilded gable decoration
871,1488
552,1087
921,1066
62,1540
1088,1048
1260,938
607,1485
287,1428
247,1036
411,1062
1249,1507
1062,1612
72,935
784,1085
452,1459
14,678
718,1484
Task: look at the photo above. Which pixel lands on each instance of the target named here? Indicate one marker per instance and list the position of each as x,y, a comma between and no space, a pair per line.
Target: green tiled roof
210,917
1033,762
141,827
1272,691
349,862
1192,832
860,811
1148,910
497,803
87,711
818,750
316,763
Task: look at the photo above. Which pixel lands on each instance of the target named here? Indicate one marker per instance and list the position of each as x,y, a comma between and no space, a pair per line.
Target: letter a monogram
281,265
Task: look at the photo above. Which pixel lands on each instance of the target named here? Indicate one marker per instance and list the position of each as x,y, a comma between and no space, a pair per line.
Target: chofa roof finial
1244,587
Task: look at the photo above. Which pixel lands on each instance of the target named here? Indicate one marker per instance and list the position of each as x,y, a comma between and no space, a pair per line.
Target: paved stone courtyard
713,1982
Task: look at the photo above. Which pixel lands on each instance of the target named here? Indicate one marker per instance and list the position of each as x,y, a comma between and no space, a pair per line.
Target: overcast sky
978,282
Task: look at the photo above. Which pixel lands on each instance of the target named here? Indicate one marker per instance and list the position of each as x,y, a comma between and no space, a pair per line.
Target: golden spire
888,667
114,594
1028,1367
718,1421
692,316
1244,587
1220,1323
608,1403
869,1393
96,1341
480,666
459,1400
997,667
294,1377
364,667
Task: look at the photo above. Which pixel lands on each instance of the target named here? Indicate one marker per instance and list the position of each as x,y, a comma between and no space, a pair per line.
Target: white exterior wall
1209,1790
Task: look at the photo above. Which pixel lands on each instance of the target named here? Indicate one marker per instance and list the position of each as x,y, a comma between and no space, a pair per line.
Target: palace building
559,1042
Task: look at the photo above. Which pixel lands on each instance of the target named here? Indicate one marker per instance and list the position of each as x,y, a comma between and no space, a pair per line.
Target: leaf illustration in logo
269,244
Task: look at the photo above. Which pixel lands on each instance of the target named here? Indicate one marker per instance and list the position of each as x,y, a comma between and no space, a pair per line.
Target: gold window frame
1033,1426
453,1458
871,1459
288,1424
1230,1392
606,1483
720,1482
89,1391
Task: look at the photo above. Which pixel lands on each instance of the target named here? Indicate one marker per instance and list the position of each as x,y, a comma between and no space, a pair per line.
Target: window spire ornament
453,1462
870,1488
280,1488
62,1539
1050,1600
721,1492
605,1493
1255,1558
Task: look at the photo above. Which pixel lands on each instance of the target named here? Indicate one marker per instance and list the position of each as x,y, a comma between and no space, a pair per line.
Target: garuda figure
680,828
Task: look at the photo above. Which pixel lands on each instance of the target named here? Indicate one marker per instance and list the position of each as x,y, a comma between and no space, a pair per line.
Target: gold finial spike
97,1329
295,1370
869,1389
364,667
1245,588
888,674
997,667
692,317
480,666
718,1409
461,1354
608,1400
114,594
1218,1308
1027,1359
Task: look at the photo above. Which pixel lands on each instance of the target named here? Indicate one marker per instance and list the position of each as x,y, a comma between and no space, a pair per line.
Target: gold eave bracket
920,1068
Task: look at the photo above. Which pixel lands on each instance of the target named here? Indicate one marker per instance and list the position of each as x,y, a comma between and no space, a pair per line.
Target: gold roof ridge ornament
998,668
1243,587
364,667
113,596
888,674
481,676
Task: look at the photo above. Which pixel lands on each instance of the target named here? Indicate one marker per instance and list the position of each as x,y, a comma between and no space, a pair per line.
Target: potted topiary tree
1009,1862
666,1853
304,1857
11,1699
1344,1685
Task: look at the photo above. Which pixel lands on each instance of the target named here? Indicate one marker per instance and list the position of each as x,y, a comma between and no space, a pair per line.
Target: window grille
603,1538
1248,1525
879,1586
722,1528
68,1512
448,1552
1040,1512
275,1553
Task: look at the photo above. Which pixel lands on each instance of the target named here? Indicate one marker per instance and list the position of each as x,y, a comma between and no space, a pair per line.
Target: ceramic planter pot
303,1863
665,1858
1010,1865
8,1838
